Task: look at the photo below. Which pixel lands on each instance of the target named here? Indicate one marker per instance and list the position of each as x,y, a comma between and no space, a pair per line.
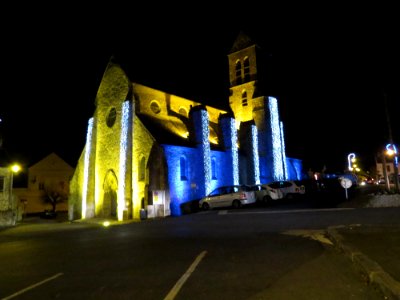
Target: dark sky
332,69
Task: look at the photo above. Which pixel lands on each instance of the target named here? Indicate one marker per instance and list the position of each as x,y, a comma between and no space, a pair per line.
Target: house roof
52,161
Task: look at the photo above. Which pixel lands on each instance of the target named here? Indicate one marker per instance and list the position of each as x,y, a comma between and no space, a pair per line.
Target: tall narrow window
213,169
183,168
246,69
238,72
244,98
142,169
1,183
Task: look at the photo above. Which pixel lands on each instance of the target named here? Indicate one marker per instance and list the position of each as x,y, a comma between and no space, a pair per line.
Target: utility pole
396,169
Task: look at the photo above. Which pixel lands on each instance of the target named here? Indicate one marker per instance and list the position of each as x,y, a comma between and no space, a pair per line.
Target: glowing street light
351,158
15,168
391,150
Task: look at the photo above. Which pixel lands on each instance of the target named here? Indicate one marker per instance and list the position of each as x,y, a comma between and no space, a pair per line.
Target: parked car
289,188
48,214
227,196
265,194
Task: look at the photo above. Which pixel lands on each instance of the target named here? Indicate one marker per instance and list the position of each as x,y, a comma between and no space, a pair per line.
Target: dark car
48,214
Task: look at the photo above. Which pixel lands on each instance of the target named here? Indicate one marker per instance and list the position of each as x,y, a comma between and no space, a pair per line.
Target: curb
370,269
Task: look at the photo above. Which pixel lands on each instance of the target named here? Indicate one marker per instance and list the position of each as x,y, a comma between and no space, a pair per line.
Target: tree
54,194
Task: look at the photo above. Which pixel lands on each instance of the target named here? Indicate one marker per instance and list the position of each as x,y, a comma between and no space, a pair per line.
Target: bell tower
250,85
243,77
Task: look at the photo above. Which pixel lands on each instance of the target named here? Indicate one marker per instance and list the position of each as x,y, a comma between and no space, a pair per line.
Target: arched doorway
110,200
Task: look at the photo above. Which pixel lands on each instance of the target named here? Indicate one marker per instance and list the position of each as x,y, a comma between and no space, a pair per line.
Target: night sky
331,71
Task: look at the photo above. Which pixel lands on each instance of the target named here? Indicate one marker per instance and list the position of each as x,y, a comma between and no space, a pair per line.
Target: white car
265,193
227,196
289,188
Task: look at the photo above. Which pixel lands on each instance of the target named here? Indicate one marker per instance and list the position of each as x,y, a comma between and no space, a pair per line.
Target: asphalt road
250,253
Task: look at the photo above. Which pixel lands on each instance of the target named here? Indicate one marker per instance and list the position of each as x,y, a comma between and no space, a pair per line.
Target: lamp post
391,150
351,158
15,168
385,173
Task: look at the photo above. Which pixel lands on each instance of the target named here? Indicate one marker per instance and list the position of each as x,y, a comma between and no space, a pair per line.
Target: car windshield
215,192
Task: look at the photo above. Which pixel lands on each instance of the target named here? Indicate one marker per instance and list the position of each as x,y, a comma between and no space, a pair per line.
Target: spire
242,41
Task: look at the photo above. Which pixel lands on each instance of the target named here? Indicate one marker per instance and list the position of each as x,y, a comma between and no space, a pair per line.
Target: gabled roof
51,161
242,41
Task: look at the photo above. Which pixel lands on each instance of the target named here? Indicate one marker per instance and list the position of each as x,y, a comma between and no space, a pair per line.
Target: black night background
332,71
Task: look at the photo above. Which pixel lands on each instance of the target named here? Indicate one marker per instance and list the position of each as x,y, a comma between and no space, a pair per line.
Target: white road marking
291,211
32,286
318,235
178,285
222,212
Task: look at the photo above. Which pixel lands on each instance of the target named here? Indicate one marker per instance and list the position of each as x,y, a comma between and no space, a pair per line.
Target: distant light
106,223
15,168
392,150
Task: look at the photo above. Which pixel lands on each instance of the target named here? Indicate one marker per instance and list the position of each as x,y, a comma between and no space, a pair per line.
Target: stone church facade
147,149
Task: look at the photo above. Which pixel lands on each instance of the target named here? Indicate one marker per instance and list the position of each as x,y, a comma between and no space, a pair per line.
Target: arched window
142,169
183,112
246,69
244,98
238,72
213,169
183,168
111,117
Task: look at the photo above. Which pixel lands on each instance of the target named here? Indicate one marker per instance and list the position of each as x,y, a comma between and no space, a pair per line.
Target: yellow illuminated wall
143,143
170,111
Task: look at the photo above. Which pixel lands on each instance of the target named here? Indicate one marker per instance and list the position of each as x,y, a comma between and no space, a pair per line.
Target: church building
147,149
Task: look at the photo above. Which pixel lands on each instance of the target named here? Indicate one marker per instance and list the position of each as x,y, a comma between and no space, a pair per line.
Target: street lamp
391,150
351,159
15,168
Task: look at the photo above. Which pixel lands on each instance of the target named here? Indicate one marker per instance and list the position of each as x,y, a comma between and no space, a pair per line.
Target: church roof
242,41
162,134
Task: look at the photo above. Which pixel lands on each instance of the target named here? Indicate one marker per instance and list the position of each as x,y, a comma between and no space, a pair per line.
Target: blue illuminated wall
285,168
201,135
276,139
249,165
221,175
230,140
294,168
182,187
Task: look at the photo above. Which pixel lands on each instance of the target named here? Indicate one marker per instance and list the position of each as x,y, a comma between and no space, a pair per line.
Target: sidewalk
35,223
374,251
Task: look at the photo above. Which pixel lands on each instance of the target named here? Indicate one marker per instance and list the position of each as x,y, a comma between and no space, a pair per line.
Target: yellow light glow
185,134
353,160
390,152
358,169
106,223
15,168
237,124
214,141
